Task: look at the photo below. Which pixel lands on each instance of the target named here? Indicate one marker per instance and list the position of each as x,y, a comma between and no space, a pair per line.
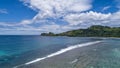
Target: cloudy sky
36,16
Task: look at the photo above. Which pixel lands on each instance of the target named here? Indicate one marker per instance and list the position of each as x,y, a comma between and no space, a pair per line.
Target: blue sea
16,50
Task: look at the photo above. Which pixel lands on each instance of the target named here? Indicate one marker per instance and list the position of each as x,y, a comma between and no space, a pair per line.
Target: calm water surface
17,50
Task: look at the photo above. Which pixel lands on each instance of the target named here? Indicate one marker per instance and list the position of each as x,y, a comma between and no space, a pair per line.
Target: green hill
93,31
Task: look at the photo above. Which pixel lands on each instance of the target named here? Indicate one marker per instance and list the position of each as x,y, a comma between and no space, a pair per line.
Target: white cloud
56,8
25,22
75,21
106,8
6,24
88,17
71,12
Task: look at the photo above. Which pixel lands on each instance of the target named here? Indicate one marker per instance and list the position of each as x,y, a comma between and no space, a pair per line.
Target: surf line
61,51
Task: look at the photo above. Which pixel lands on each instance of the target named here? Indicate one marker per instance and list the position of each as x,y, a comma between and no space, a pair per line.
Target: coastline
82,36
38,59
58,53
98,55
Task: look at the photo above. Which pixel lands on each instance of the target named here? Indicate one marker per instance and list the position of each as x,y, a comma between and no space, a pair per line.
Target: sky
32,17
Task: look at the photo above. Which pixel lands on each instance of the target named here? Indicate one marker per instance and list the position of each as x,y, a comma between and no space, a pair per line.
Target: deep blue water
16,50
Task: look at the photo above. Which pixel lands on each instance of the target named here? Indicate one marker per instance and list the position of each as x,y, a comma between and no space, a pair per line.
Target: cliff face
93,31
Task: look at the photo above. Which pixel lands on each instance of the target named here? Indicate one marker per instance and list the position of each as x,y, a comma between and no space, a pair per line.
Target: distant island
93,31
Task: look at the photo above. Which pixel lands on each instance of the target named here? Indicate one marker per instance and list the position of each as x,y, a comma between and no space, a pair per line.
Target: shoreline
82,36
62,51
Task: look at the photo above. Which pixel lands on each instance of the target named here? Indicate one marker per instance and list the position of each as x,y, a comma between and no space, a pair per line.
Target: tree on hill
93,31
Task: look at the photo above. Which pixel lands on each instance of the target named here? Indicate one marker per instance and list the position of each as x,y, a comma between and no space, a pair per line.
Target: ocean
17,51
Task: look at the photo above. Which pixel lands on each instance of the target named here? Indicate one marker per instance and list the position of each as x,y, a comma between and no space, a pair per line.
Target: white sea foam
61,51
74,61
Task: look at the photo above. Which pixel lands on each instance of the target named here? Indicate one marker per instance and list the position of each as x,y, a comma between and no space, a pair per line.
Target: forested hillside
93,31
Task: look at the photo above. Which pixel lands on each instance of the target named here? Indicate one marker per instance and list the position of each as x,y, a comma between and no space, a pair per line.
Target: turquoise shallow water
16,50
101,55
2,53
